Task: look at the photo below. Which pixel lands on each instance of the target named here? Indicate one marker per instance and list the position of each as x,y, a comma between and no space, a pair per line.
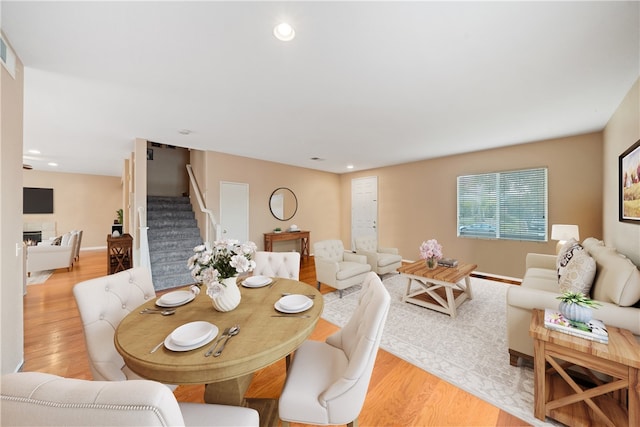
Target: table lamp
564,232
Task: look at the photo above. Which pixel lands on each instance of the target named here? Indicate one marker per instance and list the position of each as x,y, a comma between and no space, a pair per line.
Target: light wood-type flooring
399,393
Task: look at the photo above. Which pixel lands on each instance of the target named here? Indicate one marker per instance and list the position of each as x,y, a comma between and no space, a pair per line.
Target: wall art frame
629,184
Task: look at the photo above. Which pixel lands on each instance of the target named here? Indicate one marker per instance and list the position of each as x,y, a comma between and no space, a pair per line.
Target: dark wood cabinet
119,253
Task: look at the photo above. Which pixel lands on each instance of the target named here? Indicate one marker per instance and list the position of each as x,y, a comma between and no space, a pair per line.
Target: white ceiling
367,83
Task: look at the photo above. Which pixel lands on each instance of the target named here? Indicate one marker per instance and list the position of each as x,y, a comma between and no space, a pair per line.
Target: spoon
232,332
163,312
215,344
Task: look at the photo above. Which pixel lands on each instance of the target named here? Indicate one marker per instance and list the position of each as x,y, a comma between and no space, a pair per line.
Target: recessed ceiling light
52,164
184,131
349,166
284,32
33,151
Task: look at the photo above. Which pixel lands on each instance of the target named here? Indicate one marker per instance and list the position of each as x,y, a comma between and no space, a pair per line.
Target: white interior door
234,210
364,208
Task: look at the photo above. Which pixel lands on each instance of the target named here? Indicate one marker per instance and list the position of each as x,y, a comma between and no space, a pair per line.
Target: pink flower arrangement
431,249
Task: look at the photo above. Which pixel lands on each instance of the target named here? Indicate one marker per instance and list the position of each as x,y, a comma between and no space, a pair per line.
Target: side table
560,396
119,253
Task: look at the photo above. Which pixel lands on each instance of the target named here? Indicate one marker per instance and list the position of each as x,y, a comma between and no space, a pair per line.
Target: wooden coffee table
442,289
564,398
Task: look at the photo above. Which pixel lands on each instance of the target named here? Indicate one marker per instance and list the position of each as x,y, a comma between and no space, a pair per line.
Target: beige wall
166,173
80,202
11,257
417,201
318,195
622,131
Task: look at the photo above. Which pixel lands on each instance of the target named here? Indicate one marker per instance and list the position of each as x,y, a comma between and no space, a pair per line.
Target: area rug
469,351
39,277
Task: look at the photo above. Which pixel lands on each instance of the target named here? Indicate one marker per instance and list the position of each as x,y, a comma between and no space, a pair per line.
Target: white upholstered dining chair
103,303
40,399
327,381
336,267
382,260
277,264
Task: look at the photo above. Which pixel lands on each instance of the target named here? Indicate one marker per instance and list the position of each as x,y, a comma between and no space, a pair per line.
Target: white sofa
40,399
47,256
616,286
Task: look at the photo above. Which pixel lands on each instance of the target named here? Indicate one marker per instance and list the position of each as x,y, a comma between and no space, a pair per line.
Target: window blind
503,205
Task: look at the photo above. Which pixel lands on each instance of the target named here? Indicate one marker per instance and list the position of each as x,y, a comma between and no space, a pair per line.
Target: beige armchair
327,382
39,399
76,256
338,268
277,264
381,260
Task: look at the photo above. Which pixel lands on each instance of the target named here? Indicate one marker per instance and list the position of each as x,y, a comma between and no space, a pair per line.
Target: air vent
7,57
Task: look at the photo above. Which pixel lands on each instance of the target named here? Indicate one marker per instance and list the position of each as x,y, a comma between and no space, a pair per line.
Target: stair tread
172,235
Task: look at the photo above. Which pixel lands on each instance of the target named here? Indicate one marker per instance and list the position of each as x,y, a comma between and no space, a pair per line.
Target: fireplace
31,238
37,231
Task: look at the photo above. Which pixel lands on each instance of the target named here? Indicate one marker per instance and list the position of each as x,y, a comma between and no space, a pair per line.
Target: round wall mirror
283,204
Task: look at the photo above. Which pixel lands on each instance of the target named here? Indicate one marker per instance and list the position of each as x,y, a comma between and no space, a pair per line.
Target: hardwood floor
399,393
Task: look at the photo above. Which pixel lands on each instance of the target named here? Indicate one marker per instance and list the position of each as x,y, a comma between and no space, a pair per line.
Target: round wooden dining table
263,340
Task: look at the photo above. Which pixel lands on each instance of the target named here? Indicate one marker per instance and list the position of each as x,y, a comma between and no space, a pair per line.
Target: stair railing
211,225
145,259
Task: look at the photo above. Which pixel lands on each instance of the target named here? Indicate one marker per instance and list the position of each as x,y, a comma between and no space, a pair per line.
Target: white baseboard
94,248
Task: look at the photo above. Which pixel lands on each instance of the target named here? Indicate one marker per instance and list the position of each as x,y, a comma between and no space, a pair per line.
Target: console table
303,236
558,395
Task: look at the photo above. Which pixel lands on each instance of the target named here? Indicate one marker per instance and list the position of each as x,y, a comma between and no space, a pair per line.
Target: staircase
173,233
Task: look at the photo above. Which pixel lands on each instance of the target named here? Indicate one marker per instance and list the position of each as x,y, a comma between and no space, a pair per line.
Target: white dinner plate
294,301
170,345
192,333
256,281
180,298
288,311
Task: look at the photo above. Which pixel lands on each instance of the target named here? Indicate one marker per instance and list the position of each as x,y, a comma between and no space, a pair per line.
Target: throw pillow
566,253
57,241
578,273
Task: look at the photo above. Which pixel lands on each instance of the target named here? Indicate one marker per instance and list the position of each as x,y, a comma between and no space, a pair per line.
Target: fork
215,344
235,330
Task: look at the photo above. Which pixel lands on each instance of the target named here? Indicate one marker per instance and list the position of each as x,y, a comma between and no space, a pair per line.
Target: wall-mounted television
37,200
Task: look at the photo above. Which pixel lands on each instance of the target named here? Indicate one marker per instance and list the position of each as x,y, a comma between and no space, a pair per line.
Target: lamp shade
564,232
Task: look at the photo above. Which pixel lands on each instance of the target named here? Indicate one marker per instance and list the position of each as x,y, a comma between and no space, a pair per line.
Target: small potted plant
277,230
577,306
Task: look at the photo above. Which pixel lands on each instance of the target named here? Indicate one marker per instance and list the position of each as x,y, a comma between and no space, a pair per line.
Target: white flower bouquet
227,258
